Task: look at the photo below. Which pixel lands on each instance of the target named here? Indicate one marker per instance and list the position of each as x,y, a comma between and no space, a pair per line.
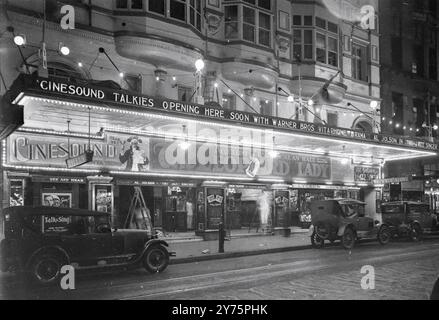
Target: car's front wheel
348,239
156,259
46,269
384,235
316,241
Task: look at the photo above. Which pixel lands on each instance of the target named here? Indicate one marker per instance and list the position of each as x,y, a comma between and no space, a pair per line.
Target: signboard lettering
95,95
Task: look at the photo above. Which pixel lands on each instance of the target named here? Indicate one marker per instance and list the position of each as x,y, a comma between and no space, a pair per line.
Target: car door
86,243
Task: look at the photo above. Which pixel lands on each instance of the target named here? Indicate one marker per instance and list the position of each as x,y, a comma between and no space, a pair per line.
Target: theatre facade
197,165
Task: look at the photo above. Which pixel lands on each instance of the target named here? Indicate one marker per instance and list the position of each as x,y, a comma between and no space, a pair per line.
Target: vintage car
344,220
39,241
409,219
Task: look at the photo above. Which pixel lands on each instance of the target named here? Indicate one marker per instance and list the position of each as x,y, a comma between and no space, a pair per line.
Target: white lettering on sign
71,89
68,21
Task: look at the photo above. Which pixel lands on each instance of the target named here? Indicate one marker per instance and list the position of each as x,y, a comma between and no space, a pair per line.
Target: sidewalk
239,246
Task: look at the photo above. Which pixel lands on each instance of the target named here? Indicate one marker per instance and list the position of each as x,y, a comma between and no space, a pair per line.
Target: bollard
221,238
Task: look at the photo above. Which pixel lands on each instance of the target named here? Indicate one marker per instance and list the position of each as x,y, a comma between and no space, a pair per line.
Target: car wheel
46,269
316,241
348,239
156,259
384,236
416,233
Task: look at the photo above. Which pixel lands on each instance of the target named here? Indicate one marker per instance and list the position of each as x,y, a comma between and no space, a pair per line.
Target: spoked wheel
46,269
156,259
348,239
316,241
416,233
384,236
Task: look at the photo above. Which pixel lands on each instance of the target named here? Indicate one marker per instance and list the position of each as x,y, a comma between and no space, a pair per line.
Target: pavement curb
237,254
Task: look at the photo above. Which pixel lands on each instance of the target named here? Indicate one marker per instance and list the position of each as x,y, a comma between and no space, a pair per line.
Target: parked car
409,219
39,241
344,220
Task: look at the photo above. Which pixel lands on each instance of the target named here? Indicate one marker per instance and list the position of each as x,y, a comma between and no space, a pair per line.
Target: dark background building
410,88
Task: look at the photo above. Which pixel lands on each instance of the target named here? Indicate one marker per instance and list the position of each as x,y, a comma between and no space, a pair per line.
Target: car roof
394,203
344,201
47,211
349,201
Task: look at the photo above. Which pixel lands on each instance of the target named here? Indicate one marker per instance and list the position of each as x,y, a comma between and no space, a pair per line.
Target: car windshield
417,209
388,209
353,209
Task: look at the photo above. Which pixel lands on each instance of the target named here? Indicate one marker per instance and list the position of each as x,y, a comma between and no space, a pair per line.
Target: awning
49,104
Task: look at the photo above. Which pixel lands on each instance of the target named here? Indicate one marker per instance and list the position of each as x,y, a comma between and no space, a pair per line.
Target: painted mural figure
135,159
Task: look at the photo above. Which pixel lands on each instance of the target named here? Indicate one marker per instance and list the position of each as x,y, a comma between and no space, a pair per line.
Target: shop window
229,102
177,9
56,199
185,93
157,6
359,62
16,198
103,198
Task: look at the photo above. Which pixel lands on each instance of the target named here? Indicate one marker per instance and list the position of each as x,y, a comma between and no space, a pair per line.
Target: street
403,270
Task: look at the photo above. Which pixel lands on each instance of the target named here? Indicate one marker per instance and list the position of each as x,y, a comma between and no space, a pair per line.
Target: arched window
364,126
64,72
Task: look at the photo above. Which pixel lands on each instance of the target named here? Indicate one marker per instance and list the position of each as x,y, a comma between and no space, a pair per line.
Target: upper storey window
249,20
317,41
129,4
188,11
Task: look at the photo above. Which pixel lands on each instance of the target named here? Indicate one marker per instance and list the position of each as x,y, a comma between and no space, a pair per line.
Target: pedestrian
435,293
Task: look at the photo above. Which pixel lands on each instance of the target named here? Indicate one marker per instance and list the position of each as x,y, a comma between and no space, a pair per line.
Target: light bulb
64,50
290,99
20,40
199,65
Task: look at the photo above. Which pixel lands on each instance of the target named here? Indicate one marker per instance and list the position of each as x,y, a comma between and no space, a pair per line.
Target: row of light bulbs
404,127
20,40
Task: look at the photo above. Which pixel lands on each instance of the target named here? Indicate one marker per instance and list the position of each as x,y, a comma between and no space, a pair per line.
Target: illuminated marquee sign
84,94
